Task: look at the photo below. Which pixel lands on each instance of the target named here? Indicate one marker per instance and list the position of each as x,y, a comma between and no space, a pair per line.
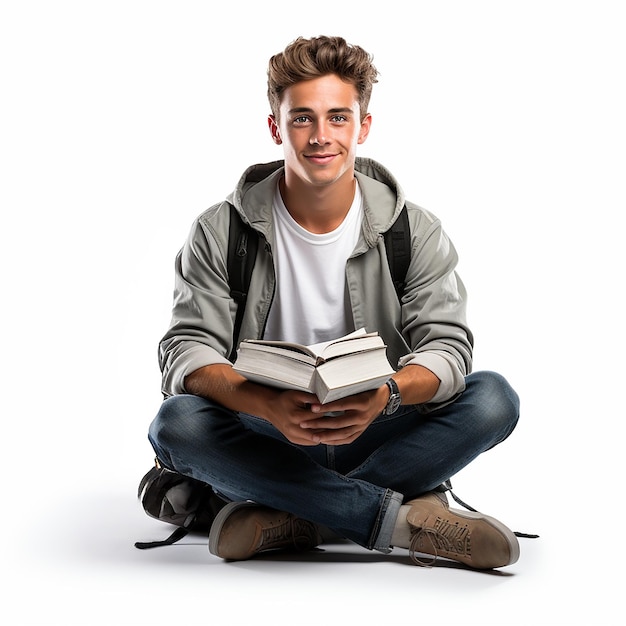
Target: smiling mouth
320,158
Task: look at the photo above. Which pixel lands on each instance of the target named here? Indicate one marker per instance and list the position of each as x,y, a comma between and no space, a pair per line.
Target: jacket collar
383,198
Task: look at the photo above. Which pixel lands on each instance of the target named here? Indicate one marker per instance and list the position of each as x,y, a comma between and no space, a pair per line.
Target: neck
318,209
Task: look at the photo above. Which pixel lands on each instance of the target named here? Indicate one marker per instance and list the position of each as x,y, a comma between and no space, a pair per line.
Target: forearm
417,384
222,384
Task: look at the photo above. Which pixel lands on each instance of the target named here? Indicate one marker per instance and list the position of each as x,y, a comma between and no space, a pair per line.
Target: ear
364,131
274,130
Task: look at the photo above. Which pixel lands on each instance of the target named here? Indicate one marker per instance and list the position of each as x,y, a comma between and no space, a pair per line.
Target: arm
222,384
201,327
417,384
288,411
434,311
192,352
434,325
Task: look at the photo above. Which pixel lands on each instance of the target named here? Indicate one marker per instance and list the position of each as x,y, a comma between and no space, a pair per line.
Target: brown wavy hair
305,59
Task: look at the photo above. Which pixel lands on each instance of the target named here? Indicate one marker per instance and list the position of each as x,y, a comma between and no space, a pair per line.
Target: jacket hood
383,197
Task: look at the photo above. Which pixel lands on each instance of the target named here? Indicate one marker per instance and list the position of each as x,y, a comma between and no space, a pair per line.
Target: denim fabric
355,489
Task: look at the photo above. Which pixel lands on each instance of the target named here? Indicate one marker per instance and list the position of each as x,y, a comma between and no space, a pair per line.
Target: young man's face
319,128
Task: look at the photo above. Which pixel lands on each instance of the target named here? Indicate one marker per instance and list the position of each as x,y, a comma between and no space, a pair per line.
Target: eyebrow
308,110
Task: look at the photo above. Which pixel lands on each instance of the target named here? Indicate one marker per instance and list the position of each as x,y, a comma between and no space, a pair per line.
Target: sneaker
471,538
243,529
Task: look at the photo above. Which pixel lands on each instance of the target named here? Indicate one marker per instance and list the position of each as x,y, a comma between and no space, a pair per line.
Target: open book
331,370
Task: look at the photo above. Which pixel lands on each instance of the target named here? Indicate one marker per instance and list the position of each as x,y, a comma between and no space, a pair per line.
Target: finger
325,423
339,437
350,403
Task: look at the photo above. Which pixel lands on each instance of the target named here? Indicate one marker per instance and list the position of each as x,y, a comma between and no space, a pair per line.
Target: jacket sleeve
201,327
434,311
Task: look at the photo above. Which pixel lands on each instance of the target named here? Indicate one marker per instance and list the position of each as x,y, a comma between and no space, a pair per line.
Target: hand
351,417
290,412
293,413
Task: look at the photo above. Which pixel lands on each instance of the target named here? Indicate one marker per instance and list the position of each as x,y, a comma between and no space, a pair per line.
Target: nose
319,136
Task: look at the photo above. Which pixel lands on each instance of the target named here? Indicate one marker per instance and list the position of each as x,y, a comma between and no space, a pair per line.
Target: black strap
398,247
243,242
447,486
177,535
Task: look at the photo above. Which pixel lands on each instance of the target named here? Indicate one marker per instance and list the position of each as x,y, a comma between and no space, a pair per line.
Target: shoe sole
220,520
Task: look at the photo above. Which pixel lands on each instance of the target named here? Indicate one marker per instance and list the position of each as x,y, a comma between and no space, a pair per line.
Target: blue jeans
355,490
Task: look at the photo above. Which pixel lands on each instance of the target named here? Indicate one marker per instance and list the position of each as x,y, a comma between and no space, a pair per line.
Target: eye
301,119
338,119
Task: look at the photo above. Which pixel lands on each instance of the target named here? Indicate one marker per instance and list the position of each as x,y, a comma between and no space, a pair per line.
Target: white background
121,121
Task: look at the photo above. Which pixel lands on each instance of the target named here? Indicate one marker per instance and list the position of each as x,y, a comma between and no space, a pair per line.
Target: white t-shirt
311,304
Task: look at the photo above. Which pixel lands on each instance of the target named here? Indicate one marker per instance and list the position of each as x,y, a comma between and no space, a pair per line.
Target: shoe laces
444,537
292,531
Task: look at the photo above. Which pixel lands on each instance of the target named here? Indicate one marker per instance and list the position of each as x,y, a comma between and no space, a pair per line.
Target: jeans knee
499,402
177,423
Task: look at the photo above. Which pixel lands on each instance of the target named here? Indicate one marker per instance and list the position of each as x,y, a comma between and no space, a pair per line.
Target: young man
370,473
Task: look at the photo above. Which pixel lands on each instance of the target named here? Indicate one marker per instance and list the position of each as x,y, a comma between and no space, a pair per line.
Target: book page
319,348
314,350
351,345
288,351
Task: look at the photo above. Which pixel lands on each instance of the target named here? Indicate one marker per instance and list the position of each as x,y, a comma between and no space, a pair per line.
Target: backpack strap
447,486
398,247
243,243
177,535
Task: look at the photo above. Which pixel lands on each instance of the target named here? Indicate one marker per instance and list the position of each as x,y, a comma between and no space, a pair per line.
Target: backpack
180,500
190,504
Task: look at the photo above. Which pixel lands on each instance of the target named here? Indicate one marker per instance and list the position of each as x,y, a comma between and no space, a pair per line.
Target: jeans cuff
389,512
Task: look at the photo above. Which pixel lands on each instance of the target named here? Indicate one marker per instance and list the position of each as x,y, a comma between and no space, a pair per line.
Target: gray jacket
428,327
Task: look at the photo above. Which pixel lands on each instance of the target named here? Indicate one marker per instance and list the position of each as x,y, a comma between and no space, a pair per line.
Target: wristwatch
395,400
